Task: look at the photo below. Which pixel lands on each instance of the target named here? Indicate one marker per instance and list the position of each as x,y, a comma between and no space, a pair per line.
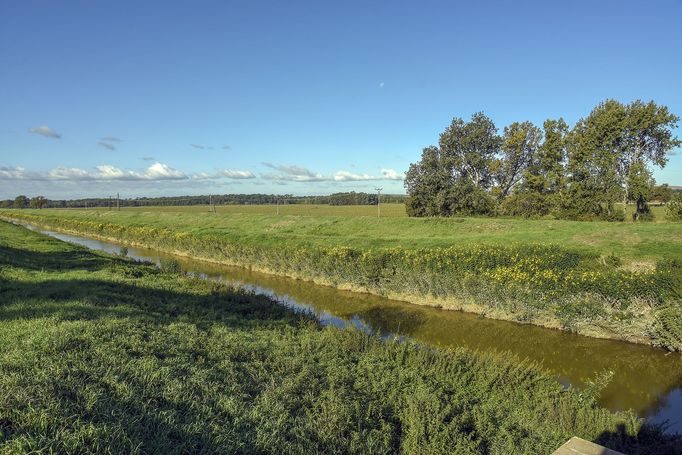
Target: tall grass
102,355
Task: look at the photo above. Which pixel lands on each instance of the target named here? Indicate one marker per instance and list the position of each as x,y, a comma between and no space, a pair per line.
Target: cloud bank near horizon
160,171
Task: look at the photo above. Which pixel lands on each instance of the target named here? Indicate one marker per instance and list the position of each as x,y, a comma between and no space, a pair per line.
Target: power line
378,190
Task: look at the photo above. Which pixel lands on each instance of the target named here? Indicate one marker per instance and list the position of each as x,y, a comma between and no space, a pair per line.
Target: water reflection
645,379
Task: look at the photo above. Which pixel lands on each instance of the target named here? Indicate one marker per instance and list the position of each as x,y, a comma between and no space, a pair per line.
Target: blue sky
169,98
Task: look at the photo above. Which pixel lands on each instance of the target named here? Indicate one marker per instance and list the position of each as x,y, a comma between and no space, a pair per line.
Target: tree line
347,198
589,171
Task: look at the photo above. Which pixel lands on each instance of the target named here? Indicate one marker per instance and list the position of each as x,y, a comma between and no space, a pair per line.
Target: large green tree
543,179
610,149
520,144
594,184
456,176
647,139
20,202
38,202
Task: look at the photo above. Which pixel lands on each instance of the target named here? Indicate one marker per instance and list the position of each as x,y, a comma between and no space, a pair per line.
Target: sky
173,98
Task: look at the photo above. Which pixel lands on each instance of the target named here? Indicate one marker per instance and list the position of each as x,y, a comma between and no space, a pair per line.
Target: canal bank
644,379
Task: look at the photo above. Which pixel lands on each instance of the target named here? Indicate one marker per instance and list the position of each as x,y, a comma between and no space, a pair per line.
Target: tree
520,144
543,178
456,176
640,183
594,184
662,193
38,202
647,138
20,202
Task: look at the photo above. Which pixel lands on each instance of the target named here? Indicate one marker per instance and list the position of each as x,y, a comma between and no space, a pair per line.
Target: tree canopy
582,172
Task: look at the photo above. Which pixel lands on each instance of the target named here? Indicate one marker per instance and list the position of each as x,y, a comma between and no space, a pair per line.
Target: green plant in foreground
103,355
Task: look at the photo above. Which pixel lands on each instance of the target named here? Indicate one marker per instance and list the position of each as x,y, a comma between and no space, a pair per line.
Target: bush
526,205
675,209
170,265
123,251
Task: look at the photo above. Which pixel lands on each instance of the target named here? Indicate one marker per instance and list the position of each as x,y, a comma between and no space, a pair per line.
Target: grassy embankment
612,280
102,355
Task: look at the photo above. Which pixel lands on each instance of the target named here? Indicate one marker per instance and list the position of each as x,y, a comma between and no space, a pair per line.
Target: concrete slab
579,446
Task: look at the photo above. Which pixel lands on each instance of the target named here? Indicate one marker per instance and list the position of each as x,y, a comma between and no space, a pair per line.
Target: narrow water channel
645,379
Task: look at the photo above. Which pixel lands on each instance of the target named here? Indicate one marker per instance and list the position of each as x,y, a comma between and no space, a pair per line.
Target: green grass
387,210
394,210
102,355
630,241
609,280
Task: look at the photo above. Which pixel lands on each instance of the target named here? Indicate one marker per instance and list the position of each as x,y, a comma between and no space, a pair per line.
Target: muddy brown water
645,379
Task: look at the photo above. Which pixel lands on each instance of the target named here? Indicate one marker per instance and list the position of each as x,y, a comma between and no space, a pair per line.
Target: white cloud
15,173
390,174
158,171
345,176
236,174
203,176
45,131
293,173
233,174
105,172
68,173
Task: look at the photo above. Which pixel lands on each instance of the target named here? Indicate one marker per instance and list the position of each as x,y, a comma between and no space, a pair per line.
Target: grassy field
102,355
610,280
387,210
630,241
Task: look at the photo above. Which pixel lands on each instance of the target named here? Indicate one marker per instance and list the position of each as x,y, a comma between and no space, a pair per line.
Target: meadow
388,210
99,354
610,280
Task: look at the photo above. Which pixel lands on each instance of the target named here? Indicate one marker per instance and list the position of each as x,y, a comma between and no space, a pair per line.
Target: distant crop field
358,227
387,210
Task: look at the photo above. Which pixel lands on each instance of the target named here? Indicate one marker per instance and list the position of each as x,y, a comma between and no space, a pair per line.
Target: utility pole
118,202
210,203
378,190
277,203
109,202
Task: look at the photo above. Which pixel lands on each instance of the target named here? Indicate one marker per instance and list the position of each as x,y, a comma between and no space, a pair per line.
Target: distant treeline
351,198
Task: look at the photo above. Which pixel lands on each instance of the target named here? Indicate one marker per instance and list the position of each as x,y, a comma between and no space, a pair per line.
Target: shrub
527,205
170,265
675,209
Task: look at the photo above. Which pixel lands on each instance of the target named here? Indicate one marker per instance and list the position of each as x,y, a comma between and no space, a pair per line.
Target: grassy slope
631,241
101,355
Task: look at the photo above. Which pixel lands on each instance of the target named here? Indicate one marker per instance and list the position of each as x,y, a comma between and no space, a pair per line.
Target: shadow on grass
87,299
55,261
647,441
